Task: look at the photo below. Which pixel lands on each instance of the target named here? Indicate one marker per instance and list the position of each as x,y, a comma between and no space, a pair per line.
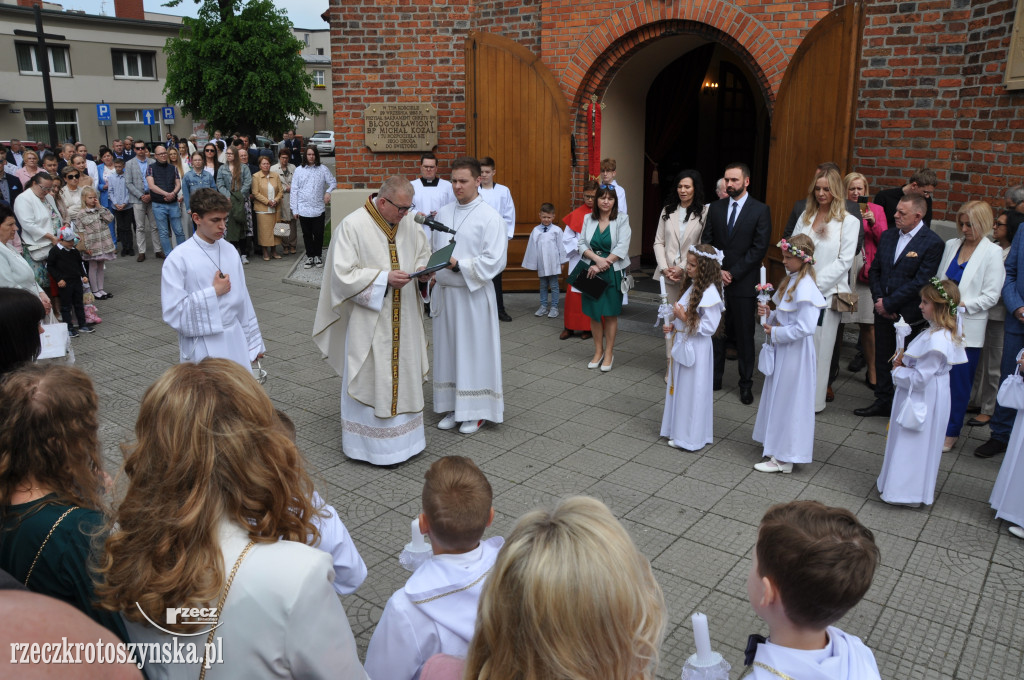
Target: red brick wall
518,20
932,95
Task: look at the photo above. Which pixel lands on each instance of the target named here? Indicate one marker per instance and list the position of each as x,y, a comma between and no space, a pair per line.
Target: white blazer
833,253
980,286
672,240
620,238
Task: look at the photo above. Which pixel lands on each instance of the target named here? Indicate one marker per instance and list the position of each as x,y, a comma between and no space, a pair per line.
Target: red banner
594,140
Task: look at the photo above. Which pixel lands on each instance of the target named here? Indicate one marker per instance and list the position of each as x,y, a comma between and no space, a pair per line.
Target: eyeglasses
399,208
72,175
139,148
160,153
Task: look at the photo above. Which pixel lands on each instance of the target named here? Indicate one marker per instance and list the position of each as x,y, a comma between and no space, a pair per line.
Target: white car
324,142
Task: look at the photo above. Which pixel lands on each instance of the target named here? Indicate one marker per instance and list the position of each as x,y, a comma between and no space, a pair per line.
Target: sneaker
448,422
542,311
470,426
772,465
318,262
245,259
553,314
72,333
308,264
86,329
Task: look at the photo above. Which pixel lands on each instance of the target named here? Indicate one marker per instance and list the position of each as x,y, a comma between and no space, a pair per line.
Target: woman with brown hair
52,484
234,181
217,513
266,196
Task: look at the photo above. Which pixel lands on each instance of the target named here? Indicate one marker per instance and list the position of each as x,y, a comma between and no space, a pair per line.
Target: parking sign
167,113
103,111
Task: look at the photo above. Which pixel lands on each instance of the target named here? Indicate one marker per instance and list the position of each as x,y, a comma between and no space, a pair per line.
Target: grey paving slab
946,602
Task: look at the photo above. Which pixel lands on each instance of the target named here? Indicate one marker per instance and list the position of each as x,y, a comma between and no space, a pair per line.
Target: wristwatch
456,267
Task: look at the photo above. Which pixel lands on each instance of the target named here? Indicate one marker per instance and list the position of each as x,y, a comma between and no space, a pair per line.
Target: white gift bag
55,341
913,413
1011,391
766,359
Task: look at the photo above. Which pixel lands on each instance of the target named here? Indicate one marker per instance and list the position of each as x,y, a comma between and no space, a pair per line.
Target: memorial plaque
400,127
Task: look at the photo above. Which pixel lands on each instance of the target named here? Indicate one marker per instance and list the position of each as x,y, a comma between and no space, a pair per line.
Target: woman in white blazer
834,233
975,263
604,247
217,514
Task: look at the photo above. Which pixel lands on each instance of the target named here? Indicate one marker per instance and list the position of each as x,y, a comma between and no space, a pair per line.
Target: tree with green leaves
239,67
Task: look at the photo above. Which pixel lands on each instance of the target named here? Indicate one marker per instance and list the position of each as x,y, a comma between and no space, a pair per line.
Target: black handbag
579,280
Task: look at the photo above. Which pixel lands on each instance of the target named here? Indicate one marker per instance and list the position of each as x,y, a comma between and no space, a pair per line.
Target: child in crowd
92,221
544,255
436,610
812,564
688,421
64,264
349,568
117,194
921,377
785,417
608,172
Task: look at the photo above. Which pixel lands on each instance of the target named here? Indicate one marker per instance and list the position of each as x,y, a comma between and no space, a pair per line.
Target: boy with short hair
608,172
203,290
435,613
812,564
545,255
121,205
64,264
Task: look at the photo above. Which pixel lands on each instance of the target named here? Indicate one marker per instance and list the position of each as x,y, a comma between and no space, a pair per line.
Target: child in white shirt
545,255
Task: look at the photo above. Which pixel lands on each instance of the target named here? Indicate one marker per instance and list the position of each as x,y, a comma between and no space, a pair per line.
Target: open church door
813,119
516,114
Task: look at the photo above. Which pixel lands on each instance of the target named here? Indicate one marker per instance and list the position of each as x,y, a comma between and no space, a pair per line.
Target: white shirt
905,239
309,184
500,198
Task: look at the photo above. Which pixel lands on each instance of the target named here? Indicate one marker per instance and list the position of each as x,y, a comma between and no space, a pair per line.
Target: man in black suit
922,182
801,205
741,227
294,146
13,155
907,258
10,187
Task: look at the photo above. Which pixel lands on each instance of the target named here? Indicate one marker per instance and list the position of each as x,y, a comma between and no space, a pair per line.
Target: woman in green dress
604,244
52,485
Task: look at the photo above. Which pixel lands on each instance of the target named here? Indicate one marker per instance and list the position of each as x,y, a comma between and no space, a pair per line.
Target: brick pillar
129,9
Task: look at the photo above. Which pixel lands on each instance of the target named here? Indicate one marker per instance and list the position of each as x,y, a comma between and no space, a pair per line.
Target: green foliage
239,71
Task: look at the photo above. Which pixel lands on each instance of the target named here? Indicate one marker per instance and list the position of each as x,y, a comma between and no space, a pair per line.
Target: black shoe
746,396
879,408
857,363
717,386
993,447
503,316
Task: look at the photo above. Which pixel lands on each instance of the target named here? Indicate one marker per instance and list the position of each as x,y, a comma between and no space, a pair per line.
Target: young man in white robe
369,323
467,344
203,292
500,198
430,192
812,564
435,613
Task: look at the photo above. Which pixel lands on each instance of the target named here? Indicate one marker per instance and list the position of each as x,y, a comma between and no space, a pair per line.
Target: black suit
294,146
11,159
744,249
898,284
798,210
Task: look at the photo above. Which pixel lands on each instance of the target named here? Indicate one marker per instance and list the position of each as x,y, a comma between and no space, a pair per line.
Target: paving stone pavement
946,601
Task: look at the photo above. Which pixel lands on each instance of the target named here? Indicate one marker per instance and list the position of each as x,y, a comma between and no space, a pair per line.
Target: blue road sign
103,111
148,117
167,113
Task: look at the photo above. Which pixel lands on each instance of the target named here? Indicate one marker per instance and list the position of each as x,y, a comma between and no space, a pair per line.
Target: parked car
266,143
324,141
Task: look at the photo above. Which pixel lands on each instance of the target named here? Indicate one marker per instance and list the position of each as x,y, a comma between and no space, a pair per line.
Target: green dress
63,568
610,302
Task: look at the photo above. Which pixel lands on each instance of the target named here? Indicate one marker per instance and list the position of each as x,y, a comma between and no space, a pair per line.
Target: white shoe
542,311
448,422
553,314
308,264
245,259
470,426
1017,531
772,465
673,444
595,364
318,262
605,369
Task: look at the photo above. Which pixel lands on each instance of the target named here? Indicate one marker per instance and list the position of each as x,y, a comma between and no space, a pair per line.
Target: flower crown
718,256
790,249
945,296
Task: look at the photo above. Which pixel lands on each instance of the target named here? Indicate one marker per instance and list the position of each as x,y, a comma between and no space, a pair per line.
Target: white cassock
349,568
785,416
434,613
911,464
500,198
367,343
845,657
467,344
430,197
1007,497
688,420
544,252
208,325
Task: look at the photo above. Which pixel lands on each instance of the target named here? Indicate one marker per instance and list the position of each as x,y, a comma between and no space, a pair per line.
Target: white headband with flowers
718,256
788,248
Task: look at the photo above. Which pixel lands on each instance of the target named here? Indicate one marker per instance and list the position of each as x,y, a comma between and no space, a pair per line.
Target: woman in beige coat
266,197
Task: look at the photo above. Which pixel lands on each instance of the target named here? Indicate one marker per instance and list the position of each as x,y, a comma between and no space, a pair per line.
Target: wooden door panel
516,114
813,120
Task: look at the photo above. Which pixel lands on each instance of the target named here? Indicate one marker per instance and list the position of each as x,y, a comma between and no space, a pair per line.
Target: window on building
140,65
129,122
319,78
29,64
305,39
67,125
319,51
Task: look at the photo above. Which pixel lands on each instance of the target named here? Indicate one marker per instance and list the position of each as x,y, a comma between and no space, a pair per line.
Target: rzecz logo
186,616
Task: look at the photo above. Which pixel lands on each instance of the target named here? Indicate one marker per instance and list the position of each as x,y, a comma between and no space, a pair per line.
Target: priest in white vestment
467,344
203,292
369,323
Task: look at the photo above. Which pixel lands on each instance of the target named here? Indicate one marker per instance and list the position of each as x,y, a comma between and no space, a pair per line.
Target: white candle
662,282
417,538
701,637
763,275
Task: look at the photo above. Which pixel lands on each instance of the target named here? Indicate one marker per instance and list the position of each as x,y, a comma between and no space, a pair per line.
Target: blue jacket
192,182
898,284
1013,284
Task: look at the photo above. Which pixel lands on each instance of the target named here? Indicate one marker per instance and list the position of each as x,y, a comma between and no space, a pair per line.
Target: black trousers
71,297
885,347
125,228
497,293
313,234
741,313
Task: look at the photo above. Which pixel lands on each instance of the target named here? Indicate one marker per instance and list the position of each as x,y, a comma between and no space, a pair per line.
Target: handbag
282,229
1011,391
913,413
54,341
844,302
627,283
766,358
578,279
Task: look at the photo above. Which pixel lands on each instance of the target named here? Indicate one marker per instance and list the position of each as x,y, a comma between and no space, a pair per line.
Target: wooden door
516,114
814,114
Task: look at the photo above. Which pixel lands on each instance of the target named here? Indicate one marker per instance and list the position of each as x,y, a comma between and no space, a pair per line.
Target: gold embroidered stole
390,231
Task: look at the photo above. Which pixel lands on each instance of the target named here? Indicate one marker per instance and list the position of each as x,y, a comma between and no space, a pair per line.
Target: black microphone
420,218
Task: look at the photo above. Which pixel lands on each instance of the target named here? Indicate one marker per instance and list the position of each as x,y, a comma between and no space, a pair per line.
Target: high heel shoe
605,369
595,364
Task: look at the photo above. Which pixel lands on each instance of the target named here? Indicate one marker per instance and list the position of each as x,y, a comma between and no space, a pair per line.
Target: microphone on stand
428,221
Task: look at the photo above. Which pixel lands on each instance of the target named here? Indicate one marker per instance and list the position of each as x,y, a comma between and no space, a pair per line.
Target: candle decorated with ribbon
665,314
417,550
764,295
902,329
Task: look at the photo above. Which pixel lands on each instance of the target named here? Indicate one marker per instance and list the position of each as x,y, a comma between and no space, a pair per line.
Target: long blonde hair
569,597
836,209
804,243
941,301
208,446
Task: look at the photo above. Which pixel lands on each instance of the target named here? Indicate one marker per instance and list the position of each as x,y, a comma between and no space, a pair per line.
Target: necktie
732,217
